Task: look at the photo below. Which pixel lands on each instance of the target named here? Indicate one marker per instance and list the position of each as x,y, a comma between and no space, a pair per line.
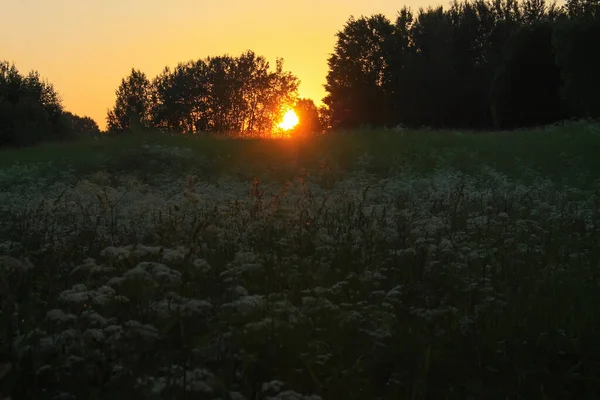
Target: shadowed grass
566,154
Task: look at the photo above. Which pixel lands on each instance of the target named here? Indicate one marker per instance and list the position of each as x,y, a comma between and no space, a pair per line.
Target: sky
85,47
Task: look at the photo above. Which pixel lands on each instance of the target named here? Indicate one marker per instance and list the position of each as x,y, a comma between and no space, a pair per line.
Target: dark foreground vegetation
366,265
155,261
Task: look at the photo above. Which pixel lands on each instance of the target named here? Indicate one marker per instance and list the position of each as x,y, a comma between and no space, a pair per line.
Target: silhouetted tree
478,64
324,117
132,105
358,77
279,91
222,94
475,54
431,68
398,79
179,99
30,108
82,126
574,41
583,9
526,90
308,115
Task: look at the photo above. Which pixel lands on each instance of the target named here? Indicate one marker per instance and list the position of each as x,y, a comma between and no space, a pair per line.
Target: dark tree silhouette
132,105
179,99
526,91
82,126
431,69
30,108
479,64
223,95
588,10
358,76
574,41
309,120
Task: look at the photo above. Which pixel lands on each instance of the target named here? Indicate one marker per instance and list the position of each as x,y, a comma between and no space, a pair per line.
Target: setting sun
290,120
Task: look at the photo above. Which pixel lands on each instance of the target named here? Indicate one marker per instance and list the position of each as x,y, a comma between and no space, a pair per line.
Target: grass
354,266
545,151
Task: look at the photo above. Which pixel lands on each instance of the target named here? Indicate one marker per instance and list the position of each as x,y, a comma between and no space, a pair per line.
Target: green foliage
573,144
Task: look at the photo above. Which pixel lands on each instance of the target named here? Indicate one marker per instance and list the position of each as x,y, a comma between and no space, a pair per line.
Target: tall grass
561,152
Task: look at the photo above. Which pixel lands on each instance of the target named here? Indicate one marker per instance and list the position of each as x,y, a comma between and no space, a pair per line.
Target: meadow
357,265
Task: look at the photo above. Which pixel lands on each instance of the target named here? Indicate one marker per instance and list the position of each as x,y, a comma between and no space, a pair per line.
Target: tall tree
308,116
359,73
222,94
132,105
221,89
398,58
431,68
574,40
30,108
279,93
179,98
526,90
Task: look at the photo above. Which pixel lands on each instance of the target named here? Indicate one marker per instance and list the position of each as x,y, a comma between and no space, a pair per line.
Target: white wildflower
93,318
145,331
274,386
142,251
59,316
137,273
162,273
195,307
88,263
246,305
77,295
115,281
93,335
116,253
10,265
200,265
174,255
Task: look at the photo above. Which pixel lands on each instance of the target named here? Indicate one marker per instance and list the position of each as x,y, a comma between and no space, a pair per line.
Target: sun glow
290,120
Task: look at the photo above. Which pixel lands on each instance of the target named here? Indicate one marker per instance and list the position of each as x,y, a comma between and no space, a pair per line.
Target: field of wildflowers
334,272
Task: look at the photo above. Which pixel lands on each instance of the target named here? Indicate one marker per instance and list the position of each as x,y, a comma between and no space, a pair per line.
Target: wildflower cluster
367,288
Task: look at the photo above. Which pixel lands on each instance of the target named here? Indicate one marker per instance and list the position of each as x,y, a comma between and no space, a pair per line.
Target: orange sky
85,47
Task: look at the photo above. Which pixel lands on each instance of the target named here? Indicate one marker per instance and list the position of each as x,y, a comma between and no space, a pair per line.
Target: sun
290,120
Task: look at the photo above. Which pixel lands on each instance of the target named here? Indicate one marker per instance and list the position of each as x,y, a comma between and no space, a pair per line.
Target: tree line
483,64
223,95
31,110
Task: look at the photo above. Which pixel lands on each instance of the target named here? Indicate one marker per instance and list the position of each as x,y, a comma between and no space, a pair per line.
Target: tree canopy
479,64
222,95
30,109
